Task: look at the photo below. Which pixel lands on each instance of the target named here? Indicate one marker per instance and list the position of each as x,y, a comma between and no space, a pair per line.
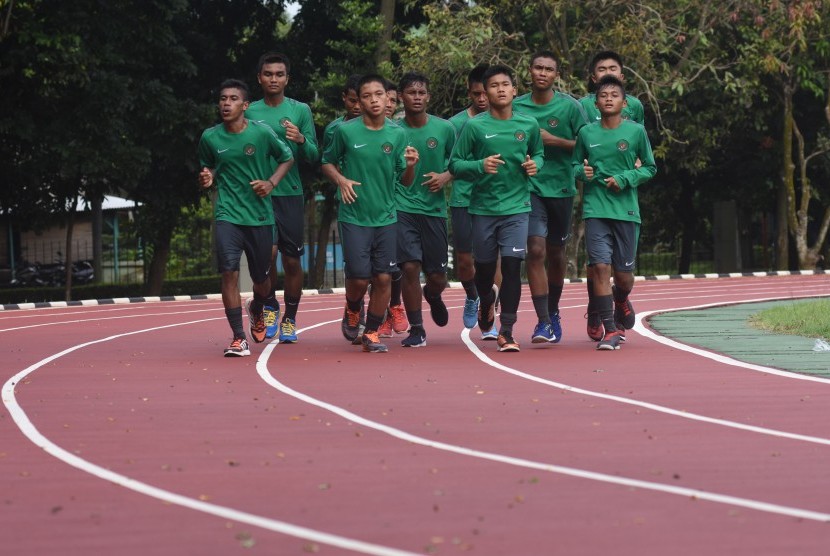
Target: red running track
126,432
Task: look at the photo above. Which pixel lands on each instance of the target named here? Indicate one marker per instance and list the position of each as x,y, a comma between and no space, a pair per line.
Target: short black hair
411,77
352,83
235,84
496,70
545,54
605,55
610,81
372,78
389,85
476,75
274,58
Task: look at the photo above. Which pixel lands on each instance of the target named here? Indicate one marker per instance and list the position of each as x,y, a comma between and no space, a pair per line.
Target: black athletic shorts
255,241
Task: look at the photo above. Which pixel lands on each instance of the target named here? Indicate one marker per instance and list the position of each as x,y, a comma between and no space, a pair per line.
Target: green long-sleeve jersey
507,191
299,114
613,153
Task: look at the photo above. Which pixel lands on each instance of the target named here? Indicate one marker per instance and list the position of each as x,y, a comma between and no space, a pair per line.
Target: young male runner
612,157
462,226
605,63
498,151
237,155
395,320
292,121
366,157
422,209
351,104
552,191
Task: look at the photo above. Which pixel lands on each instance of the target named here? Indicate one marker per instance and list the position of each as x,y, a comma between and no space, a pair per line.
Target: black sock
554,295
591,304
415,318
354,305
605,307
540,305
620,295
470,288
506,322
234,316
291,304
395,293
373,322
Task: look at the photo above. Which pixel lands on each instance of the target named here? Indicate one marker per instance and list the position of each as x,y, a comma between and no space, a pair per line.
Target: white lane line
694,494
726,360
465,335
33,434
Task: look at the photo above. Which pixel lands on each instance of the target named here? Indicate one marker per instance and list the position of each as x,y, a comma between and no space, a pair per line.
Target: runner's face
500,90
373,99
479,97
232,105
610,100
352,103
607,67
273,78
392,105
415,98
543,73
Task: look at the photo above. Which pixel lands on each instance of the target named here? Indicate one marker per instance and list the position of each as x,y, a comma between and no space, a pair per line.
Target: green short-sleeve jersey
434,141
237,159
373,158
299,114
613,153
562,117
633,110
507,191
461,188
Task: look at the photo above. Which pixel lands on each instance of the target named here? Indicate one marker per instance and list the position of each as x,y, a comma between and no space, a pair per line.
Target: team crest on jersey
520,135
622,145
432,142
285,121
553,122
387,148
249,149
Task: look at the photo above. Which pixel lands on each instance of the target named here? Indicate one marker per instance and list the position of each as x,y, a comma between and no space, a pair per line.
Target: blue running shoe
271,316
288,331
471,312
417,338
556,324
492,335
543,333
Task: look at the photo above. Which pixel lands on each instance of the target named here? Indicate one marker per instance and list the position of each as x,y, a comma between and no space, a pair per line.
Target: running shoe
350,326
556,324
624,314
470,312
397,314
371,343
437,309
543,333
238,348
272,319
507,343
256,323
288,331
491,335
385,330
596,330
610,341
417,338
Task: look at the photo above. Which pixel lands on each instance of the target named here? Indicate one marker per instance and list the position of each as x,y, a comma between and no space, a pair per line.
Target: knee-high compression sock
234,316
395,293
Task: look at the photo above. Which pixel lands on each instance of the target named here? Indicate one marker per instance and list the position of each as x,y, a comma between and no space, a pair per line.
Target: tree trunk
387,14
158,264
786,187
67,257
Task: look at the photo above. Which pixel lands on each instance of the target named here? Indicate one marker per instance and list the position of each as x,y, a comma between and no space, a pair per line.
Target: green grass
810,319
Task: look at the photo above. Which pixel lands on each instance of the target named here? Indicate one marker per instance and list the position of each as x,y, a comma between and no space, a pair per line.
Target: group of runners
512,164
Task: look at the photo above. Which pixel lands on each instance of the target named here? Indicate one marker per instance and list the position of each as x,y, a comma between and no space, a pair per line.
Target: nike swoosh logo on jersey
489,136
359,146
595,145
220,151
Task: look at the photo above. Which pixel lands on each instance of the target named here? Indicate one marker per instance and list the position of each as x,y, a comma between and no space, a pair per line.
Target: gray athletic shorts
499,234
255,241
368,250
462,229
550,217
289,214
423,238
612,242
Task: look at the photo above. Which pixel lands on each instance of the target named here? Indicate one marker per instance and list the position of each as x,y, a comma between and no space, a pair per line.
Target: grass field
810,319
